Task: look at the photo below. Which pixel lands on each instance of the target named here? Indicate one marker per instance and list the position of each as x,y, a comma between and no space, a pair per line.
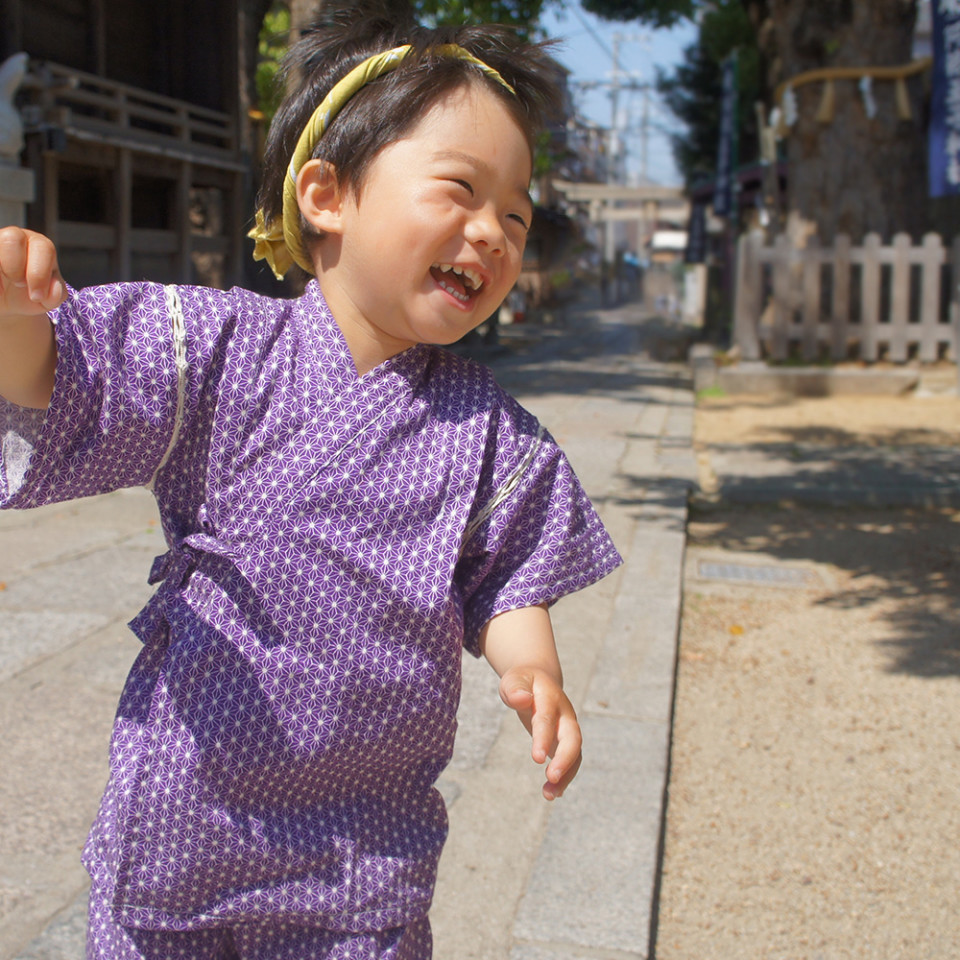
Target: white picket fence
871,302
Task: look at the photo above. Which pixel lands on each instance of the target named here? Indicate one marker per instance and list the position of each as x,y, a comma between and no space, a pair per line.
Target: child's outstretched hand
548,715
30,281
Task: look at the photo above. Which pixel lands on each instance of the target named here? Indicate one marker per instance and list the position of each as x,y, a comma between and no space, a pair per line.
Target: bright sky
588,44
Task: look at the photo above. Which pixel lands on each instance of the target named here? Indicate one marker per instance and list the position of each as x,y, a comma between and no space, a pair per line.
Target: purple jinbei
333,541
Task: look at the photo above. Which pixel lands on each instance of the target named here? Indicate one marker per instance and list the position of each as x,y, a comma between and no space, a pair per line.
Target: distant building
553,233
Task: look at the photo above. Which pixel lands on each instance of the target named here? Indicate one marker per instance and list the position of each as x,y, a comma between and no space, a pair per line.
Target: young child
345,505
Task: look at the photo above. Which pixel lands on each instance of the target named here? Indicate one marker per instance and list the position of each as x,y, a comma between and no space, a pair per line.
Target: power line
593,33
622,128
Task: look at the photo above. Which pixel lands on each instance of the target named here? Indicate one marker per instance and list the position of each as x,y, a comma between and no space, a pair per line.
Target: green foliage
690,91
522,15
274,36
711,393
546,156
656,13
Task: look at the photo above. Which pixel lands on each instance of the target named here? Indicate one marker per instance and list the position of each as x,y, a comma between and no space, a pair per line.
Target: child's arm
30,285
519,645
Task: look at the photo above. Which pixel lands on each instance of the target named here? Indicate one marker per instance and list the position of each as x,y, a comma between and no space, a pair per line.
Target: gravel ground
814,803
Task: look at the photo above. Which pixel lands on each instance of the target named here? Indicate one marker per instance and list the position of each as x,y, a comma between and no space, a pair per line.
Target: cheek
517,259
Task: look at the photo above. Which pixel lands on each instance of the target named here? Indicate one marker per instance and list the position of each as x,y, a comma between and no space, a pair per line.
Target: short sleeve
114,403
535,536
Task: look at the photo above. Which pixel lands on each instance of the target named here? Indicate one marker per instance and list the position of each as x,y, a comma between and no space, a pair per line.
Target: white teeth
476,281
462,297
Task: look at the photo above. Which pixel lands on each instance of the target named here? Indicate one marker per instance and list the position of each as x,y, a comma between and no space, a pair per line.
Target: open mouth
461,283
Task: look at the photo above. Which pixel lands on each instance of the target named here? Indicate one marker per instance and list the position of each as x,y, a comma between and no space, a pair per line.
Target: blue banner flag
944,143
727,147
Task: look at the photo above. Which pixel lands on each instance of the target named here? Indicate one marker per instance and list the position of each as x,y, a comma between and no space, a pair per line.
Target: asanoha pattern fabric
278,738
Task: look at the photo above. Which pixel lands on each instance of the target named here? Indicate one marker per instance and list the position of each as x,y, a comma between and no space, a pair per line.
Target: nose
484,228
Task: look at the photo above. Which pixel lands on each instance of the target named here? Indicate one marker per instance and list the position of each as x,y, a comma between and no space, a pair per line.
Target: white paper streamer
866,91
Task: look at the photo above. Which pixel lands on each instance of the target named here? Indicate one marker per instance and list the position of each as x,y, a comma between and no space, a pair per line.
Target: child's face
436,240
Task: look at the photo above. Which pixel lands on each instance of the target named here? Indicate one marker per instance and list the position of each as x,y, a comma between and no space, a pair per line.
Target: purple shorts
258,940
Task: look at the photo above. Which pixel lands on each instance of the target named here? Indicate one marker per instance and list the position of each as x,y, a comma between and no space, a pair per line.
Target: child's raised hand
30,281
548,715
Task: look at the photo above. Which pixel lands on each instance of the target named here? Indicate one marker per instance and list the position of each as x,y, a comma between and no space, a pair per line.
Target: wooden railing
116,135
869,302
88,107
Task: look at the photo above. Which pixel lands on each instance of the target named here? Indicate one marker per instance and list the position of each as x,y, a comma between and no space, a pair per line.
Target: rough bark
855,174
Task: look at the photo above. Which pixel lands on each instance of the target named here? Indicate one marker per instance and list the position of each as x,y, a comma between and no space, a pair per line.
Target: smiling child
346,504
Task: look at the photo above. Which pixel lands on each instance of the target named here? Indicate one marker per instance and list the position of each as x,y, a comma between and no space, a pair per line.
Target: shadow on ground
805,469
910,556
590,352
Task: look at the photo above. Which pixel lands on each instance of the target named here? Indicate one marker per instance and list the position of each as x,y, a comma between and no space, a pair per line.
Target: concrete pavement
520,879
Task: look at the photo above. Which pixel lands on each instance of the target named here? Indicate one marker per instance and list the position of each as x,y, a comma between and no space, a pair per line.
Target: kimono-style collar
409,364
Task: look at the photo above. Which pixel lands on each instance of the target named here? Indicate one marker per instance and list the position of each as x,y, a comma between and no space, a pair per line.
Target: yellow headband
279,243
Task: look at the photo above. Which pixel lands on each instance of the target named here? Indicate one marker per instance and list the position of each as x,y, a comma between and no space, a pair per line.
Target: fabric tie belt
171,570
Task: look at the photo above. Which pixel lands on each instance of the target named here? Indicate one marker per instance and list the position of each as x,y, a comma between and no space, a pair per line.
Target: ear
319,196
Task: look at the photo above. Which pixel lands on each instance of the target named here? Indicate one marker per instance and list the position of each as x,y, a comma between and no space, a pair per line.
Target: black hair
385,110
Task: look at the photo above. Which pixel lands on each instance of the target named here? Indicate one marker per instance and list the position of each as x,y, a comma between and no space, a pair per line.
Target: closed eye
465,184
523,223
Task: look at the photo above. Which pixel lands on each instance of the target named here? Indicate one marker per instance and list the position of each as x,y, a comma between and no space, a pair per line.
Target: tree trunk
853,174
250,14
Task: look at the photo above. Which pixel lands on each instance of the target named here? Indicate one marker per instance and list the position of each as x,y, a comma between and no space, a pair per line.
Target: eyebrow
481,166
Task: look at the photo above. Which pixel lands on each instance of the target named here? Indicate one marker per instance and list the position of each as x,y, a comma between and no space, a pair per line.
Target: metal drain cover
766,574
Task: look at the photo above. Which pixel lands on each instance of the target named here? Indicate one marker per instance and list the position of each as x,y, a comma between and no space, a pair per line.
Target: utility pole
645,134
616,144
621,79
610,295
613,171
617,171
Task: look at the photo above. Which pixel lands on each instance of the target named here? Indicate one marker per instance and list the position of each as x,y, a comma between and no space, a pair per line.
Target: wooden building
134,117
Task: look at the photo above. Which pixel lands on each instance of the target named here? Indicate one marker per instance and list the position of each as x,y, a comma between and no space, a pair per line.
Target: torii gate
646,202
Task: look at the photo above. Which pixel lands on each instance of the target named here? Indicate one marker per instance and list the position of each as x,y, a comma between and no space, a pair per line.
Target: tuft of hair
384,111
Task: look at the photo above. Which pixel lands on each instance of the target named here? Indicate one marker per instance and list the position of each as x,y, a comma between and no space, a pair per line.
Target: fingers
516,690
544,728
30,281
549,716
567,757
